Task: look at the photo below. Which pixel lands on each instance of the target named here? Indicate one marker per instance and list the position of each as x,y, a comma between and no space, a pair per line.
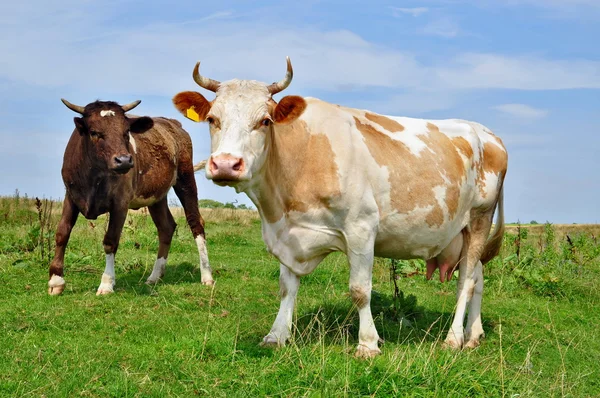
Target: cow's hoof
453,343
209,282
271,341
56,285
152,281
364,352
474,343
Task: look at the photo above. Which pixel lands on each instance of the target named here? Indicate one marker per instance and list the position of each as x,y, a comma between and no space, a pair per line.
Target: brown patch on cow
301,172
359,296
289,109
412,178
464,146
194,100
388,124
493,160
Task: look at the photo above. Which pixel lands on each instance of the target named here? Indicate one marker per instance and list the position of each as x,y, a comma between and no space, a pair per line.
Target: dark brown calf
113,163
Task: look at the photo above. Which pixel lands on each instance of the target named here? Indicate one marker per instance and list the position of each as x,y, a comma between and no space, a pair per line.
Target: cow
114,162
328,178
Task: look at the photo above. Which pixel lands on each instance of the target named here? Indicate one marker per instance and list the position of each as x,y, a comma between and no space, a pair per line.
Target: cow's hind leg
474,238
111,245
165,225
56,283
186,191
474,330
361,275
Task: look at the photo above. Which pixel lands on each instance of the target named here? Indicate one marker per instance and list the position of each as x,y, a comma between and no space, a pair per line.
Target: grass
180,338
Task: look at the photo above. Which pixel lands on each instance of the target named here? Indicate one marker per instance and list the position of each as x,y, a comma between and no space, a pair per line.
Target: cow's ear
289,109
140,124
80,125
192,105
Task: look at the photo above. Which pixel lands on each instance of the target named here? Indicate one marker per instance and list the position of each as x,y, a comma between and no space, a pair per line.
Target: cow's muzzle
122,163
226,168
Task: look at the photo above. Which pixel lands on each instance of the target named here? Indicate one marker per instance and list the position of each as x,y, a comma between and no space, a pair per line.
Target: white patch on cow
158,271
107,283
132,142
205,271
56,285
107,113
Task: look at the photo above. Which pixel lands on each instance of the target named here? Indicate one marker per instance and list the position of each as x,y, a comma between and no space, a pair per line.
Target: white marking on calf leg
288,288
56,285
158,271
107,282
205,271
474,328
361,274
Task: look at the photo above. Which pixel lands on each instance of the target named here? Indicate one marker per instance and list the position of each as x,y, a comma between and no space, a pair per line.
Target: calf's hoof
56,285
364,352
271,341
453,343
106,285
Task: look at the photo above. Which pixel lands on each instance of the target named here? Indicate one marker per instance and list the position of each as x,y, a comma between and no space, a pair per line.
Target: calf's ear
80,125
192,105
140,124
289,109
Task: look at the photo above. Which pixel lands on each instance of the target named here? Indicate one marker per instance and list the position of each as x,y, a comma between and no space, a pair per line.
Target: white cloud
414,11
521,111
443,27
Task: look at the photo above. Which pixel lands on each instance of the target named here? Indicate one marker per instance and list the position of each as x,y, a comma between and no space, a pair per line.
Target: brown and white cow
327,178
113,163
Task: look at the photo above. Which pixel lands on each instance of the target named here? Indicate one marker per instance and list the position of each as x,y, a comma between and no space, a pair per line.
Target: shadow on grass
338,322
175,274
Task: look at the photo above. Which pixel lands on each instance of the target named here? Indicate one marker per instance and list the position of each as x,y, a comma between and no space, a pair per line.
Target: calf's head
106,133
242,120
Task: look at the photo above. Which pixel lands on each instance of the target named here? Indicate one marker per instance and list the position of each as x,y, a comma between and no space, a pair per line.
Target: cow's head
106,132
241,119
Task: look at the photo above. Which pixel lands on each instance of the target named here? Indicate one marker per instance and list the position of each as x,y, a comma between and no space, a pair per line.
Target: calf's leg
186,191
111,244
56,282
165,224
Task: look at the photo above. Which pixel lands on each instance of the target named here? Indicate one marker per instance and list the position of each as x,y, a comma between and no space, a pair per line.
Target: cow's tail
494,242
199,166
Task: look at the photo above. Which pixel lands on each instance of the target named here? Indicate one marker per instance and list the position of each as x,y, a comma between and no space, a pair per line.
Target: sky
527,69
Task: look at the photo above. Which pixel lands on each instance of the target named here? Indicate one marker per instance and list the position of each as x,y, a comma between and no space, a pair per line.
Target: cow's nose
123,162
226,167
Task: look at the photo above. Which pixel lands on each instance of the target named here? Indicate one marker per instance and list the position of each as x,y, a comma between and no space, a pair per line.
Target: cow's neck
300,173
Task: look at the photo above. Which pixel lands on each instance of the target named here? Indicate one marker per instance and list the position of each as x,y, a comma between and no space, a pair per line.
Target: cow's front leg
111,244
56,282
361,274
288,288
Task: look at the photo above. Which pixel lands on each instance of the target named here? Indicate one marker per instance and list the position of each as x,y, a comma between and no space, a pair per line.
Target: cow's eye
94,134
266,122
210,120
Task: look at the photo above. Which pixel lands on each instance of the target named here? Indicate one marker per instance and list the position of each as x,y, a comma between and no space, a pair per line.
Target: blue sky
527,69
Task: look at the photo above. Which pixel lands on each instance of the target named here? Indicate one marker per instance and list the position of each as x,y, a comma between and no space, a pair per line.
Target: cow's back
158,154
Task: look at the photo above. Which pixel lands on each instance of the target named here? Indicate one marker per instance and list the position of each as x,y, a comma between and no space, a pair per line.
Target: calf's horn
128,107
73,107
282,84
205,82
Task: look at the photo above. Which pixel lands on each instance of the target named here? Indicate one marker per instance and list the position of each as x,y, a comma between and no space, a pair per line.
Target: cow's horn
282,84
74,108
205,82
128,107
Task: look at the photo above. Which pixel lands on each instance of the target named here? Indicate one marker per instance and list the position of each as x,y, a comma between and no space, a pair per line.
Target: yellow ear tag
191,114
